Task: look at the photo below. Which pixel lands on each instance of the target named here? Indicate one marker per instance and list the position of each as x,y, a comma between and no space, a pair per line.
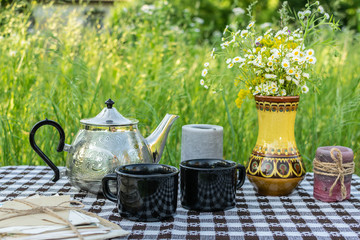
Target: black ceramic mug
145,192
210,184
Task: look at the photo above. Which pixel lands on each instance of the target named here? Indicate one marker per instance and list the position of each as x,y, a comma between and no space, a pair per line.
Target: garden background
148,56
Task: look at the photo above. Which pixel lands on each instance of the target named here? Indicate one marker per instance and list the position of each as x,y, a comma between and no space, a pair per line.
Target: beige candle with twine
333,168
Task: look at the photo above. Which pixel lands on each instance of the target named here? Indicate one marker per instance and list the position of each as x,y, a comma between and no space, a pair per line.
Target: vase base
274,186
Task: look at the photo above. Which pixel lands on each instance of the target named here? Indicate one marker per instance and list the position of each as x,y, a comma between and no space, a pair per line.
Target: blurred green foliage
218,13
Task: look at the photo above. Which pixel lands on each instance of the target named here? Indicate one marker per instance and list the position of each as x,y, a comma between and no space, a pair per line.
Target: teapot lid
109,116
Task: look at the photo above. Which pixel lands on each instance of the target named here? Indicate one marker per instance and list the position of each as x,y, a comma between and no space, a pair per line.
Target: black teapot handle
60,147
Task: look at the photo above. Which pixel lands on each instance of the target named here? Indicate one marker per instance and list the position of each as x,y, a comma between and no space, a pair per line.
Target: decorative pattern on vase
275,166
276,107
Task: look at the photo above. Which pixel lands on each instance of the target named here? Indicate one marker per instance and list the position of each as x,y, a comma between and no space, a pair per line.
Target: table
297,216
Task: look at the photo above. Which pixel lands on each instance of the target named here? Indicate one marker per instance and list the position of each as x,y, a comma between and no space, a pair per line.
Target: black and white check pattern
297,216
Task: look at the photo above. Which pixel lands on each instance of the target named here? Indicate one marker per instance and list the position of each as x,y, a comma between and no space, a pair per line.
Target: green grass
150,68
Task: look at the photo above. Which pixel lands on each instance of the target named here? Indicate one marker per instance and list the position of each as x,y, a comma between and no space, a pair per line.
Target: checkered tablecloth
297,216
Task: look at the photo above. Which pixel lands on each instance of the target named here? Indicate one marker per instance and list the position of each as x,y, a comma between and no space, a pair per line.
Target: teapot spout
156,141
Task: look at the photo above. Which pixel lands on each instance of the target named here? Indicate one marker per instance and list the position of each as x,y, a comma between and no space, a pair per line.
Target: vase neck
276,126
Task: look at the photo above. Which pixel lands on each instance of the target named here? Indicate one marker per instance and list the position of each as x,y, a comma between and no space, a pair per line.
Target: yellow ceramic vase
275,166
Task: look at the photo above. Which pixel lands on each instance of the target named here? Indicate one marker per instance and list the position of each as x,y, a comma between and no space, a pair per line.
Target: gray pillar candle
201,141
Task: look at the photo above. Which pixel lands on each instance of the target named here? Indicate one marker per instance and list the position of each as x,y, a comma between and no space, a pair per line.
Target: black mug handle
106,189
60,147
241,174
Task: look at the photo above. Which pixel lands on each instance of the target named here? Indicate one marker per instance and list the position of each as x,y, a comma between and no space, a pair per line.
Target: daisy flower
304,89
258,88
301,15
256,92
288,55
310,52
206,64
307,12
238,59
312,60
285,64
206,87
228,61
202,82
306,75
268,32
278,33
12,53
273,90
258,39
273,85
266,89
321,9
265,25
270,63
270,76
296,52
326,15
277,54
204,72
250,25
283,92
230,65
291,71
281,81
244,33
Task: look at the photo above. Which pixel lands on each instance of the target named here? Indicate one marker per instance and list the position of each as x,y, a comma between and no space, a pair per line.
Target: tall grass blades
149,62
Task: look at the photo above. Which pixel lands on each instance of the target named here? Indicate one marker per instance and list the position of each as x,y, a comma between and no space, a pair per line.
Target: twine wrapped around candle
337,169
50,210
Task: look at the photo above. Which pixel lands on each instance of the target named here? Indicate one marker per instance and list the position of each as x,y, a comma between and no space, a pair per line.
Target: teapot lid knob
109,103
109,116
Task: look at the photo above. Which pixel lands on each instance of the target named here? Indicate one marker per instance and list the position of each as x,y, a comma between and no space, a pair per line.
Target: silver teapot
105,142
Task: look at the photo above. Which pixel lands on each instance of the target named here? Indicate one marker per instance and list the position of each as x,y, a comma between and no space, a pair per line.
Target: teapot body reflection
105,142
